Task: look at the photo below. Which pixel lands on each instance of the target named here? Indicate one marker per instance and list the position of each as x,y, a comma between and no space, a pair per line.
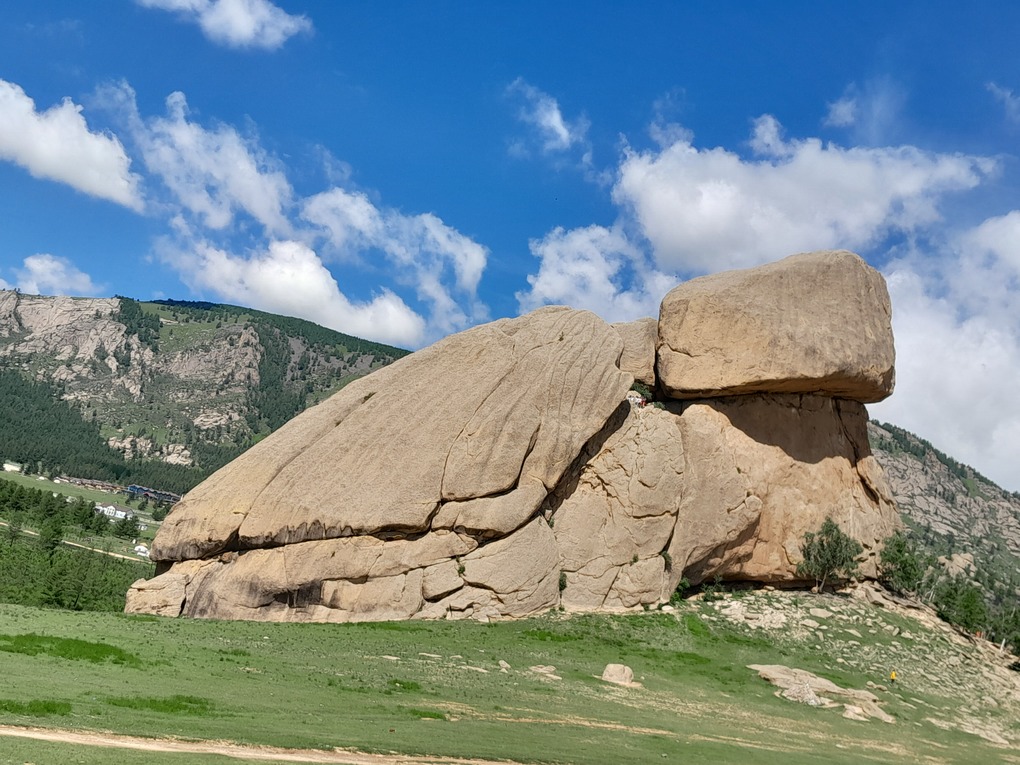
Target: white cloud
998,237
1010,102
871,112
290,279
842,113
705,210
237,23
987,270
542,112
212,172
420,250
57,144
45,274
956,370
597,269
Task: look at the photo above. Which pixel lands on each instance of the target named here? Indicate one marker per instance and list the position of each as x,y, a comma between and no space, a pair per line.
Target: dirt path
237,751
31,533
104,552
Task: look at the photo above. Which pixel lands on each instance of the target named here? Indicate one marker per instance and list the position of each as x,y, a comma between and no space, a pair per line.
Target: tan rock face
501,473
818,322
462,440
639,340
613,521
765,469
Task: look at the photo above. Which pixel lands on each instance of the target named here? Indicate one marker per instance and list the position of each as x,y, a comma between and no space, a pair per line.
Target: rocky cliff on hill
184,383
956,508
504,471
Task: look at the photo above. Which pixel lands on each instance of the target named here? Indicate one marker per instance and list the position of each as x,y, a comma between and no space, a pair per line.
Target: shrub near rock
829,554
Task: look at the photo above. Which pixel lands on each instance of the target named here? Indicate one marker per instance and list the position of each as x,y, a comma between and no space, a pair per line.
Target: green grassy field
437,688
67,489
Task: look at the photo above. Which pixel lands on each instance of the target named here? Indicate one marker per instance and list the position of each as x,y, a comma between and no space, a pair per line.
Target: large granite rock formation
503,472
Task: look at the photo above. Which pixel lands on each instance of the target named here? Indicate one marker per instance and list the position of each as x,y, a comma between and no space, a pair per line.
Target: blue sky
405,170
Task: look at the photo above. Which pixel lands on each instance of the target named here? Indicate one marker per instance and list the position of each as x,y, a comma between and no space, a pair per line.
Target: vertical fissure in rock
572,475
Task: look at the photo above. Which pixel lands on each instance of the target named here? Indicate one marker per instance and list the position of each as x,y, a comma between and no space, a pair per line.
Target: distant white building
142,550
12,467
113,512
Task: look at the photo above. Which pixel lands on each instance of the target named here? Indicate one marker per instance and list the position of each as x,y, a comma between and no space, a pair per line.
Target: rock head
503,471
819,322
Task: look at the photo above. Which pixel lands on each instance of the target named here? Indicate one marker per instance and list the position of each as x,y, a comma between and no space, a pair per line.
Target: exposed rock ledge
502,472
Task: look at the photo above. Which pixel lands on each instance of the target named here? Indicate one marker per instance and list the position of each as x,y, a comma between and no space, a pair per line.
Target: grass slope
436,688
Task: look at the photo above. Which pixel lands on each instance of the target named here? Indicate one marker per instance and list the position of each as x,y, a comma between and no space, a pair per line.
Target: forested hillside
46,433
961,547
160,393
36,569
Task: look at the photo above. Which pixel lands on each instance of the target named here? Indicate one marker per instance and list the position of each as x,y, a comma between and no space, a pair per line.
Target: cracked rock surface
505,471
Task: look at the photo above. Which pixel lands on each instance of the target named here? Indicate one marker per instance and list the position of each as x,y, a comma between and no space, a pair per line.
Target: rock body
639,340
503,472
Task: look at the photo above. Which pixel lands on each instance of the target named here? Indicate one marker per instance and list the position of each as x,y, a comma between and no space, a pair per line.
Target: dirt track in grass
237,751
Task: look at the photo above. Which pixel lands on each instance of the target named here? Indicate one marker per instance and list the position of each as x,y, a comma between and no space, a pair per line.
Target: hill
186,386
963,533
949,503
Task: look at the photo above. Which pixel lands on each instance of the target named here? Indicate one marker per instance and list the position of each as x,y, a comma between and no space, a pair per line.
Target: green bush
961,603
174,705
35,708
66,648
712,592
902,564
828,554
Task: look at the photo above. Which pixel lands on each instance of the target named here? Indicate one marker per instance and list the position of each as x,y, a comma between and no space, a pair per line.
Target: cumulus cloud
956,369
420,250
289,278
218,183
1010,101
594,268
541,112
57,144
237,23
45,274
705,210
987,270
212,172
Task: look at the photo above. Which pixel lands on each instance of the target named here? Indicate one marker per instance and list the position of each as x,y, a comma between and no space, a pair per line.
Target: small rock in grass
546,670
854,712
619,674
